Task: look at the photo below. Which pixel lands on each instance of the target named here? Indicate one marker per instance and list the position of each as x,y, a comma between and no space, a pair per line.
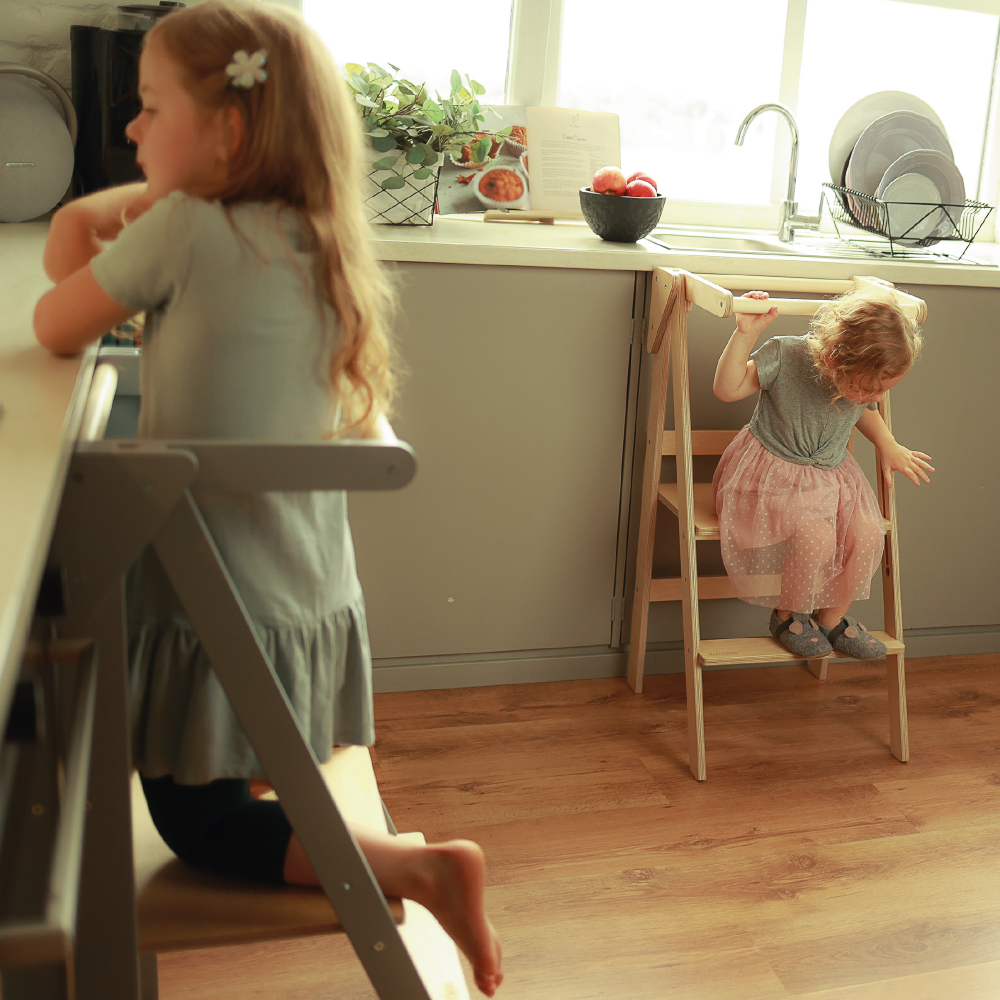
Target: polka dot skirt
795,536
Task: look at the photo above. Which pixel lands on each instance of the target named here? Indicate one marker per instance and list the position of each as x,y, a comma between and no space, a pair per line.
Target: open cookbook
548,156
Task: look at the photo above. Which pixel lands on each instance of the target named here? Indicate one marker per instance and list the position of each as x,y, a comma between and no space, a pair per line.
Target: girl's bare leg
828,617
447,878
813,545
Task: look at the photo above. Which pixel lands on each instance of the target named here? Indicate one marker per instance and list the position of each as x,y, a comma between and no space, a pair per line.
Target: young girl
249,250
800,527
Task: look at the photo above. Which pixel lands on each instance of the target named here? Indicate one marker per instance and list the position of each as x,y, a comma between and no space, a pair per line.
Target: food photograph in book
501,181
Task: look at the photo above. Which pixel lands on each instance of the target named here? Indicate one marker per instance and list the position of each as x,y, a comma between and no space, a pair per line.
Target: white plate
885,141
916,221
941,171
860,115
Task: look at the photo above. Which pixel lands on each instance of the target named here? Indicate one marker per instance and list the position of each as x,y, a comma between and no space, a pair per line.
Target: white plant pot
410,205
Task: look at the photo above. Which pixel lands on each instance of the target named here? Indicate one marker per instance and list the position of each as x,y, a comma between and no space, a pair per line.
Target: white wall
36,32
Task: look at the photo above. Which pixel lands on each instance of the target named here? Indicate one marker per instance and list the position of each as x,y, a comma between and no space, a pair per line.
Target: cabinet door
515,403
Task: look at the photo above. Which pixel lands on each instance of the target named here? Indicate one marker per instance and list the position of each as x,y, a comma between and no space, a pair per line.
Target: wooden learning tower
674,294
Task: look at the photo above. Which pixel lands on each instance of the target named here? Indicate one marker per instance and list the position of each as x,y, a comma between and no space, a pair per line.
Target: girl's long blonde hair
863,337
303,147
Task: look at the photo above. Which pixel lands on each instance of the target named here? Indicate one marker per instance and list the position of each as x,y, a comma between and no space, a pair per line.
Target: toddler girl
800,527
266,318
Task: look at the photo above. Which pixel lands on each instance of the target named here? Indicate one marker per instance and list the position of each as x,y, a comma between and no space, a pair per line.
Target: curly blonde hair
303,148
863,338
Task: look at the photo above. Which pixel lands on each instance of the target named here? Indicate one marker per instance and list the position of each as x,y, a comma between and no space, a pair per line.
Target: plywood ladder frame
674,293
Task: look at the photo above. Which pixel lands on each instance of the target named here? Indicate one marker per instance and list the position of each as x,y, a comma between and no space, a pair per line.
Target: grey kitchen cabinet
517,402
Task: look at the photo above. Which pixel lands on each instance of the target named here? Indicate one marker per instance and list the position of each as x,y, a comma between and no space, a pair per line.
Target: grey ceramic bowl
619,218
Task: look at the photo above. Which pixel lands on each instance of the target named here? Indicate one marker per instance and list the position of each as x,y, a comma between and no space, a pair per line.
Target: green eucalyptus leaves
399,117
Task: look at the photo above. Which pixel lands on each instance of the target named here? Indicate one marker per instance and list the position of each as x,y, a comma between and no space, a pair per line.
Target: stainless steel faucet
788,220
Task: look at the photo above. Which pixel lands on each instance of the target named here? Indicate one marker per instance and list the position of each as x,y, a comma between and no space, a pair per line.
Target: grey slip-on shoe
800,634
851,638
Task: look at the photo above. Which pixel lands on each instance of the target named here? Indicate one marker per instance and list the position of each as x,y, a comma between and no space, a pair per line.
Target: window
944,57
425,41
681,88
681,76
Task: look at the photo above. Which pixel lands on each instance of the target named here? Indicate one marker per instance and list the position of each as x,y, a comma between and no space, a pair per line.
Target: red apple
640,189
640,176
608,180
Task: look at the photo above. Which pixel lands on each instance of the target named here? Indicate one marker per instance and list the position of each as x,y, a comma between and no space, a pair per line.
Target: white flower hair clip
246,70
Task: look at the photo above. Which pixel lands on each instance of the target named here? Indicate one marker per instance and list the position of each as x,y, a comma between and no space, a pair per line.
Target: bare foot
447,878
450,883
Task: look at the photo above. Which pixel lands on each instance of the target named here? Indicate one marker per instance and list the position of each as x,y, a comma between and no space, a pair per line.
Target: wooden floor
810,864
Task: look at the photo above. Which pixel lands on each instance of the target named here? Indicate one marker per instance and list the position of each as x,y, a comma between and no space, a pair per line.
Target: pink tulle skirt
794,536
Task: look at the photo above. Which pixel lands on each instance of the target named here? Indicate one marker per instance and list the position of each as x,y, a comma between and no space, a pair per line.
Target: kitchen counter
528,381
43,398
469,240
524,434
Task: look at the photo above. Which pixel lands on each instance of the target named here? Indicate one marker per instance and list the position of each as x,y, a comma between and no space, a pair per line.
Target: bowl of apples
619,208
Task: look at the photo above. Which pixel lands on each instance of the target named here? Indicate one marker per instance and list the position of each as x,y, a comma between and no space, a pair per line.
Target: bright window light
681,77
853,48
426,44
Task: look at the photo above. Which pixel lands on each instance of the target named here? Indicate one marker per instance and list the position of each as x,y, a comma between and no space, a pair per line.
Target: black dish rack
957,224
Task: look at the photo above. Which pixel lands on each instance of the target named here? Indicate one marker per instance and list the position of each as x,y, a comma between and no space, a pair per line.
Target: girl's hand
753,324
896,458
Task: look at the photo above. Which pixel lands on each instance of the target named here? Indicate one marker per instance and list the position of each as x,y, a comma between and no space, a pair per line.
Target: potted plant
408,133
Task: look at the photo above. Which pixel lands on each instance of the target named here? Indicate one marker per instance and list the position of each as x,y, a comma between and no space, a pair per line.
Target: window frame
533,80
536,27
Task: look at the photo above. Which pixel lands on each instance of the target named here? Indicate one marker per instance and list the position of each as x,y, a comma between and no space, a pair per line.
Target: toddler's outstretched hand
896,458
753,324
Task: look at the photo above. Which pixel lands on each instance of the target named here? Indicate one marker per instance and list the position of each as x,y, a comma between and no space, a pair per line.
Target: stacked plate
893,147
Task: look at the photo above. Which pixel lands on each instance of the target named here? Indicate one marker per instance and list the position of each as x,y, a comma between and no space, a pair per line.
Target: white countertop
42,411
469,240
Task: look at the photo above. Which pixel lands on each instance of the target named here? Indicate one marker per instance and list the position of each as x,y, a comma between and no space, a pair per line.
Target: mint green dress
237,345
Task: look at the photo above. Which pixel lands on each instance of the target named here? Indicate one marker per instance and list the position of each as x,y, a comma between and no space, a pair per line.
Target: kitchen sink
690,239
741,241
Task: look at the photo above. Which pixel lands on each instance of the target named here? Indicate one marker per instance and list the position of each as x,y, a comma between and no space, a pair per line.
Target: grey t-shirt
796,418
237,345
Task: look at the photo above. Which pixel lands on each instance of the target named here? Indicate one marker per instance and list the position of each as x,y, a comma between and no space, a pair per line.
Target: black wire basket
905,233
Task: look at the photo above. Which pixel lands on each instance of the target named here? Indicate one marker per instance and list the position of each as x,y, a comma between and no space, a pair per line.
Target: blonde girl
800,527
266,320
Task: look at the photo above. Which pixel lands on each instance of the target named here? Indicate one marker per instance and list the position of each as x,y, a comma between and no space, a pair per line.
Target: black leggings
221,826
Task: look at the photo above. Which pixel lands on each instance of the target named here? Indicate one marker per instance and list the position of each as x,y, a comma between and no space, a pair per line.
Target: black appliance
106,96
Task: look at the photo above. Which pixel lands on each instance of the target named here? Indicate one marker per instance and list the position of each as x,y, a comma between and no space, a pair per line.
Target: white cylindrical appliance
36,143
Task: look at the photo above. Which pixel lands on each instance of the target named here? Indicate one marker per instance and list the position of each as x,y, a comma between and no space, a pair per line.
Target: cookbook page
500,182
565,148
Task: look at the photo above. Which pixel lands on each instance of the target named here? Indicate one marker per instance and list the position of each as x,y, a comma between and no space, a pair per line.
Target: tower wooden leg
899,733
817,668
640,598
892,605
695,717
647,518
688,549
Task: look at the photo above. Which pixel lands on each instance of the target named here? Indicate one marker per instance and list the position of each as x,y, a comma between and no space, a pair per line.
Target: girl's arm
75,313
894,457
78,311
79,230
736,375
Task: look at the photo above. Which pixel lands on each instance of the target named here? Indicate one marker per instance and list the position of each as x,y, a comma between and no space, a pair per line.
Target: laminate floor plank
554,846
974,982
812,865
949,802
